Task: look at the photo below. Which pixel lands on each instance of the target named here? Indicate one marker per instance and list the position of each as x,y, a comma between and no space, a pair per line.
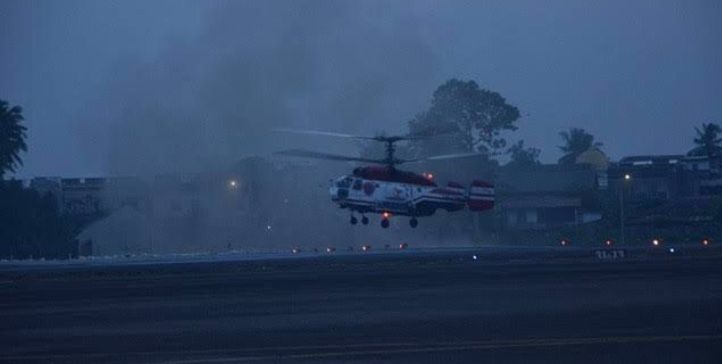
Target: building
549,196
667,177
702,176
648,178
80,197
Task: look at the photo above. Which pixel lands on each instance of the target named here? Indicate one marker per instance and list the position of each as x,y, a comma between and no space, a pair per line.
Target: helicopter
381,188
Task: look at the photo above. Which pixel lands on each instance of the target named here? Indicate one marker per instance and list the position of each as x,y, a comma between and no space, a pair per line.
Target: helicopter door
395,197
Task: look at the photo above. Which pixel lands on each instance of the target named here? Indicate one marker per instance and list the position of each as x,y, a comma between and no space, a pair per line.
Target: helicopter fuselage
389,191
385,190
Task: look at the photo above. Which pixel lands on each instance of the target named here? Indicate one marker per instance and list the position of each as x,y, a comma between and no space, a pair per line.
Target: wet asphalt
505,306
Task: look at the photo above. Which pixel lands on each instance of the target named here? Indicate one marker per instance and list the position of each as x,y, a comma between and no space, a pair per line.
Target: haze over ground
141,87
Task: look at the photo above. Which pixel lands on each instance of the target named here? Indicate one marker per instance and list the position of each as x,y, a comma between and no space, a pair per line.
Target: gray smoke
210,99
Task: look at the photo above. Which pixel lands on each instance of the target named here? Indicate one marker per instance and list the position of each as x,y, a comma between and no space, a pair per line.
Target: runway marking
377,349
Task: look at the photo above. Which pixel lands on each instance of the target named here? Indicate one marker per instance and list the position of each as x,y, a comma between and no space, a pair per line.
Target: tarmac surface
506,306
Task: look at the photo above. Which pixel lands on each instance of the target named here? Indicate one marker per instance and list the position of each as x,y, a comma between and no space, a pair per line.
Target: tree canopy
523,157
12,137
708,141
576,142
472,117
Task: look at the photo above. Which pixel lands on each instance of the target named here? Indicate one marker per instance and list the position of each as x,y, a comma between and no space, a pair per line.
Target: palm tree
576,142
12,137
708,141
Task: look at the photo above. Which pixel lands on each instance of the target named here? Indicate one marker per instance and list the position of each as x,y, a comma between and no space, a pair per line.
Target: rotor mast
390,149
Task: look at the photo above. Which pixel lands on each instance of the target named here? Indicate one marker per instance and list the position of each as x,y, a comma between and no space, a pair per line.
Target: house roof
640,160
594,157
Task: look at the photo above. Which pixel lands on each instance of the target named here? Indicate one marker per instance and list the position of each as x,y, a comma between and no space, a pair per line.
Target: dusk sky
125,87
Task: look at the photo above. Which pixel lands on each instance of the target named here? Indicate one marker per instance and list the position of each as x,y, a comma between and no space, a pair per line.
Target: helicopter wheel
413,222
364,220
385,223
354,220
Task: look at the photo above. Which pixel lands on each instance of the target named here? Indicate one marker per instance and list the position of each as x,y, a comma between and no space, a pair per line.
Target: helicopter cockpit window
357,184
344,182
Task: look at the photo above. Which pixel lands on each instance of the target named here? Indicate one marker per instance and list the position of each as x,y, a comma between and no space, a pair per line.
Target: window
344,183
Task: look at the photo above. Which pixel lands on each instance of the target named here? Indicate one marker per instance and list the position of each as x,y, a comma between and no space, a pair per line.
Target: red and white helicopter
384,189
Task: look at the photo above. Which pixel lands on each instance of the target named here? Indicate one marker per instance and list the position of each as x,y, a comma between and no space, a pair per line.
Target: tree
708,141
32,226
473,117
12,137
523,157
576,142
30,223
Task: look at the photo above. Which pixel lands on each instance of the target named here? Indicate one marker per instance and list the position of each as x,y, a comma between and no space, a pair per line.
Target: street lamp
627,178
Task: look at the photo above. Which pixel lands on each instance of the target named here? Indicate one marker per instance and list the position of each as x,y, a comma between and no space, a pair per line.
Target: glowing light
563,242
705,242
474,257
268,227
608,242
671,250
627,176
232,183
655,242
386,215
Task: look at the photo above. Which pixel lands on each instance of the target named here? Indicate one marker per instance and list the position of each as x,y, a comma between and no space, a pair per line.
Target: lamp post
623,184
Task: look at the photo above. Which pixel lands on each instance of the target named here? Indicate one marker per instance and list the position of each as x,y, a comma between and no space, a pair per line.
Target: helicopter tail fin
480,196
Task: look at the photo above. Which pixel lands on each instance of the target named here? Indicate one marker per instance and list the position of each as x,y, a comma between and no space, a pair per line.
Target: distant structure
594,157
659,193
552,195
664,191
256,202
670,177
253,204
90,196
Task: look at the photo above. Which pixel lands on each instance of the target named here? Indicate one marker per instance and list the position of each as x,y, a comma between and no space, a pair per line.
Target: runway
505,306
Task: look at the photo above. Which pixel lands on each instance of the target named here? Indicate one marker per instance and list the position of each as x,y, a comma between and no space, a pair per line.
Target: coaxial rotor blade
317,155
452,156
442,157
380,138
322,133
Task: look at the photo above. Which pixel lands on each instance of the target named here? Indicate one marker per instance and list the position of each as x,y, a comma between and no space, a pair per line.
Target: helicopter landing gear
354,220
413,222
364,220
385,223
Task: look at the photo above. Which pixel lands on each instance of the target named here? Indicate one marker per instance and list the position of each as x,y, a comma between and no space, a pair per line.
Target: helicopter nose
338,193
